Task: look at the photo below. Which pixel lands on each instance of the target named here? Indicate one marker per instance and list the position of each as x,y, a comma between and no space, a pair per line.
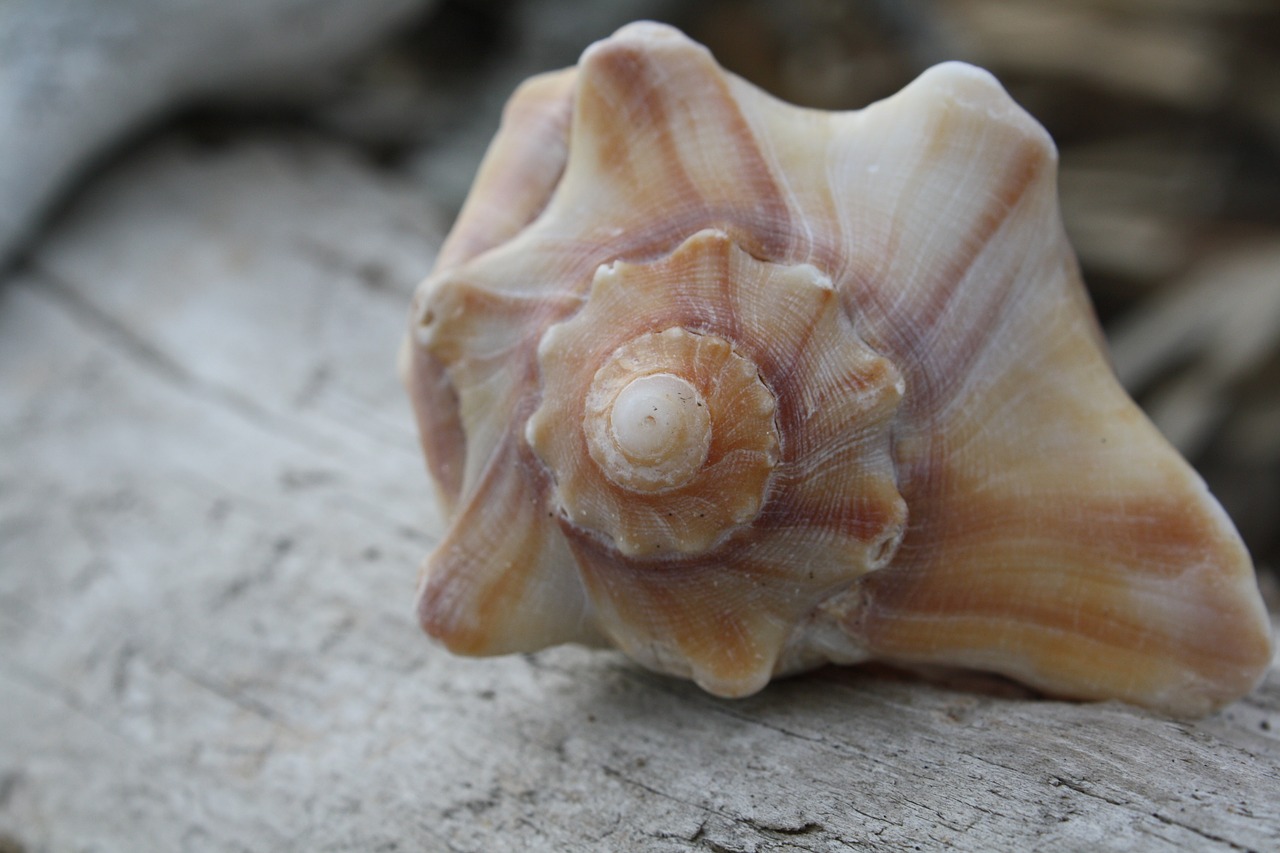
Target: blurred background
1166,112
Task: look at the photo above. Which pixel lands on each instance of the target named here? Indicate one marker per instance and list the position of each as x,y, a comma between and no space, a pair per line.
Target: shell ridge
516,179
462,582
736,185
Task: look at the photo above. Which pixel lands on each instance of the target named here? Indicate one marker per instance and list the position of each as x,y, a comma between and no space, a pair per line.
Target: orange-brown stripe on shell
1090,563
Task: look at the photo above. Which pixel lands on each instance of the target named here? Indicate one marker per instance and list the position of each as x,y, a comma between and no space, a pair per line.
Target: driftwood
211,509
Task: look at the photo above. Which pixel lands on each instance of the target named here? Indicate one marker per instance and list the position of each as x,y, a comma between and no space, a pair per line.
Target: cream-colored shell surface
742,388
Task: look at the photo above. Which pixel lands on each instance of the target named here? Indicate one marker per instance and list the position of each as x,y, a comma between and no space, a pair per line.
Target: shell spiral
681,425
741,388
686,412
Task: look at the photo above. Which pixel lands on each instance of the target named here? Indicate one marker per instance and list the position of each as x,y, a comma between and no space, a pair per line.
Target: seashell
742,388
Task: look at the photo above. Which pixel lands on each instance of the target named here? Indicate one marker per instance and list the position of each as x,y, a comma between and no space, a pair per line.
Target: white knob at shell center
660,424
652,416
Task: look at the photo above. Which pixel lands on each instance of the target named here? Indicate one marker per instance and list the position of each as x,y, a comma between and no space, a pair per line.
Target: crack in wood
765,828
1207,836
121,338
228,693
62,696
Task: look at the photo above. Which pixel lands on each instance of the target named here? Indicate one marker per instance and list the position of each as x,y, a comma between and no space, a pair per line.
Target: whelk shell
743,388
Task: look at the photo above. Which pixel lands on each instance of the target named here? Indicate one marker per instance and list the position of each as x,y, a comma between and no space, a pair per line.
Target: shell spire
742,388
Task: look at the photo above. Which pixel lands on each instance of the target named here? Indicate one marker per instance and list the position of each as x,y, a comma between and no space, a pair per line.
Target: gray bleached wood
76,77
211,506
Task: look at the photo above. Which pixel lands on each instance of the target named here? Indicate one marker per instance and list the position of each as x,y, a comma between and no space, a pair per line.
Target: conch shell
742,388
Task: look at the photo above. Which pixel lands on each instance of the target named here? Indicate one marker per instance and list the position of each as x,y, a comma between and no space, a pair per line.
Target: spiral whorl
680,435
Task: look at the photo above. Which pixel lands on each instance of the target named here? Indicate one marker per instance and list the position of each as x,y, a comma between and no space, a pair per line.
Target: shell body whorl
741,388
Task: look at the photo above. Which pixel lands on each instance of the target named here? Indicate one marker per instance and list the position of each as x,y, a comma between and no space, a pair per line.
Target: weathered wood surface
211,511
